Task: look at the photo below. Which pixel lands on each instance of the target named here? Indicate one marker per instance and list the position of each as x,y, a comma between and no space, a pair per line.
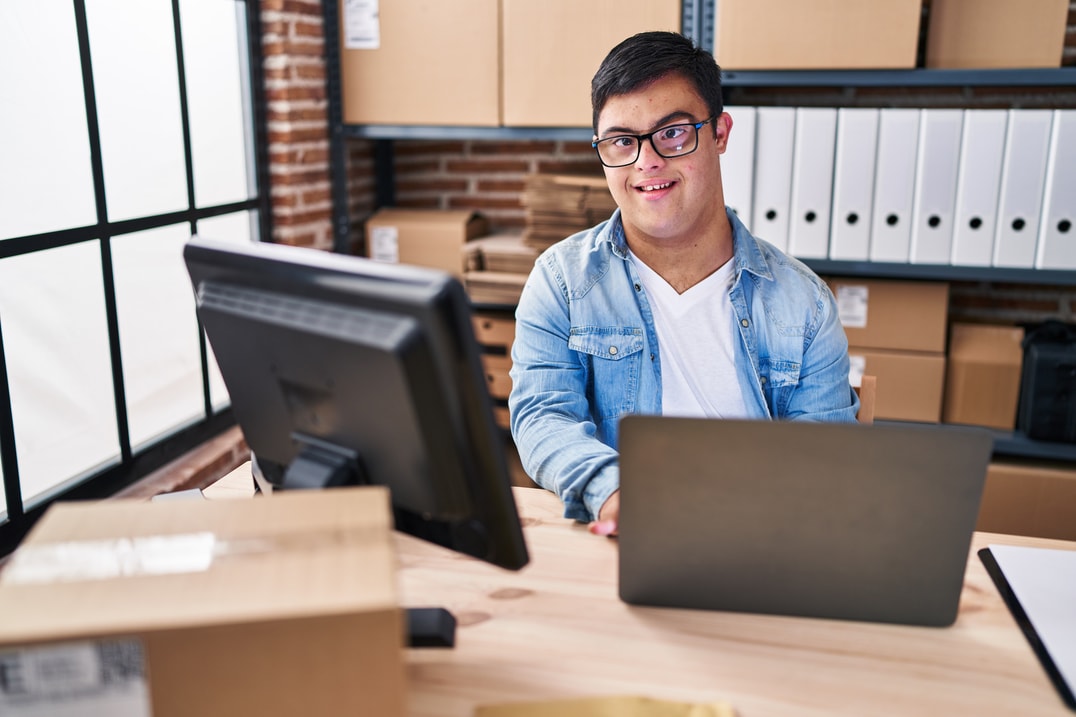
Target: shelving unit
698,22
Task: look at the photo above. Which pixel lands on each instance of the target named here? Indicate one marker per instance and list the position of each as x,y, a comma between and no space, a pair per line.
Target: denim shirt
586,353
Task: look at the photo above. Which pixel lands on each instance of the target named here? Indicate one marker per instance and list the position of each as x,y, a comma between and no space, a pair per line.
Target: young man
671,306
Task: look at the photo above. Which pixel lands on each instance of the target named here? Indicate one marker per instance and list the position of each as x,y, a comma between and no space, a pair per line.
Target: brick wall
294,63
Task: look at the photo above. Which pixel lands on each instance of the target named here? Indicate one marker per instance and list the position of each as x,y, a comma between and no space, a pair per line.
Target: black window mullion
188,164
260,110
97,166
8,460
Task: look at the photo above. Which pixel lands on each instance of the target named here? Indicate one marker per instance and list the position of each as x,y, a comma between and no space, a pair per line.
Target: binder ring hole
892,220
1018,224
975,222
852,218
810,217
1064,225
934,221
771,214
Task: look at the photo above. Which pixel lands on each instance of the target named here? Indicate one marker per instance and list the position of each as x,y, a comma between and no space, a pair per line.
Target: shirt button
612,350
744,323
762,379
638,288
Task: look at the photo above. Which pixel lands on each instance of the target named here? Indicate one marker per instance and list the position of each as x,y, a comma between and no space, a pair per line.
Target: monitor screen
346,371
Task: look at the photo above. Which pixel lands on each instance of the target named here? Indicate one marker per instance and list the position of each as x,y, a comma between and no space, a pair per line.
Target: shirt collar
747,254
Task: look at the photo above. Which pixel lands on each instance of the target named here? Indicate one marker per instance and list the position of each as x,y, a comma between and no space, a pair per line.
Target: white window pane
133,50
46,182
220,134
162,368
59,368
240,227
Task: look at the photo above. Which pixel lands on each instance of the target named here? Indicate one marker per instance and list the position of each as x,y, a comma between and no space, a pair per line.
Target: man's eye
623,142
674,132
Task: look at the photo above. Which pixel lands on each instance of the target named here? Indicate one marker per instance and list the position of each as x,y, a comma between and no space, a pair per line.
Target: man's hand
608,517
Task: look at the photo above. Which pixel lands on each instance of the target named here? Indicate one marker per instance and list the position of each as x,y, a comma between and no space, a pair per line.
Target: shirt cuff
600,487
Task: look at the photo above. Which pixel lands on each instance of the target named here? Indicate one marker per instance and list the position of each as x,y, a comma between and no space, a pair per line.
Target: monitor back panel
842,521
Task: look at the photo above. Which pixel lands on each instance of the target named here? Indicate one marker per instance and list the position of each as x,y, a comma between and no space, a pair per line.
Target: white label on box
852,306
105,677
385,244
362,25
856,368
107,559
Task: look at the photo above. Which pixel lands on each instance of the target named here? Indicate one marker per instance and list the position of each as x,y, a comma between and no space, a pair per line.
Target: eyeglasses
674,140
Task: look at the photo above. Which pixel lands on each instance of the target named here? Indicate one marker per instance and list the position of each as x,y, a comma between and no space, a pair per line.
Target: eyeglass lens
672,141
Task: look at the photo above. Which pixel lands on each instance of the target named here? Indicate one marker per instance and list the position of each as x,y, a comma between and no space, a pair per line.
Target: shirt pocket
613,355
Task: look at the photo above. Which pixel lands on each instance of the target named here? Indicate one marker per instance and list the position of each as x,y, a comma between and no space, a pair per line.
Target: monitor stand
321,467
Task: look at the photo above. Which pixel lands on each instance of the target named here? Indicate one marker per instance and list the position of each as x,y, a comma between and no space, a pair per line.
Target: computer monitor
346,371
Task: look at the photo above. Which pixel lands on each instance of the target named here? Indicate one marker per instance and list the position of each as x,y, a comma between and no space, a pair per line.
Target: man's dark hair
648,56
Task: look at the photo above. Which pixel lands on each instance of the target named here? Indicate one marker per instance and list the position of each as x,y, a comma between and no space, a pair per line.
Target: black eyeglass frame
650,136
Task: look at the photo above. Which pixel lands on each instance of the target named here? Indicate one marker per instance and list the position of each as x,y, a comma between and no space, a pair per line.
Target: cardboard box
498,379
892,314
982,380
1023,498
412,62
426,237
910,384
837,34
996,33
278,606
495,329
552,50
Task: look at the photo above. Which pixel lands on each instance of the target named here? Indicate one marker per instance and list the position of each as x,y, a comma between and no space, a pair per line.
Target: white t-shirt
696,336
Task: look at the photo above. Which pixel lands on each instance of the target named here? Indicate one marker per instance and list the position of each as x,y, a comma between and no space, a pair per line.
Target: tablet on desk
1039,586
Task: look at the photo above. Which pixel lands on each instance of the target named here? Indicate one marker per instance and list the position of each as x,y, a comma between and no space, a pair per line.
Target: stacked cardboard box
982,382
1029,498
896,332
495,331
423,237
791,34
996,33
559,205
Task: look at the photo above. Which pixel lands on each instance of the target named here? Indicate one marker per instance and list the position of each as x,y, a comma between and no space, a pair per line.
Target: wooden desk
557,629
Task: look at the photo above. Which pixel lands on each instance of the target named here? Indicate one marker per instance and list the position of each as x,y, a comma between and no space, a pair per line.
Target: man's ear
723,126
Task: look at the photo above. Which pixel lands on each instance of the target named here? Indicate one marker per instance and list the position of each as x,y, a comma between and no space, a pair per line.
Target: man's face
665,199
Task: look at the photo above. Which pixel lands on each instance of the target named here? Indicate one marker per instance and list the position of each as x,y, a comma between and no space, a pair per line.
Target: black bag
1047,409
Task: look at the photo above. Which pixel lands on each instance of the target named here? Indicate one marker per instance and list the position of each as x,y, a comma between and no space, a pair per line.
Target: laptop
840,521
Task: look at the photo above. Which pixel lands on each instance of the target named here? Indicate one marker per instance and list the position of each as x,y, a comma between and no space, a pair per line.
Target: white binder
853,183
1023,176
738,163
978,184
934,202
812,182
1057,236
774,140
894,185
